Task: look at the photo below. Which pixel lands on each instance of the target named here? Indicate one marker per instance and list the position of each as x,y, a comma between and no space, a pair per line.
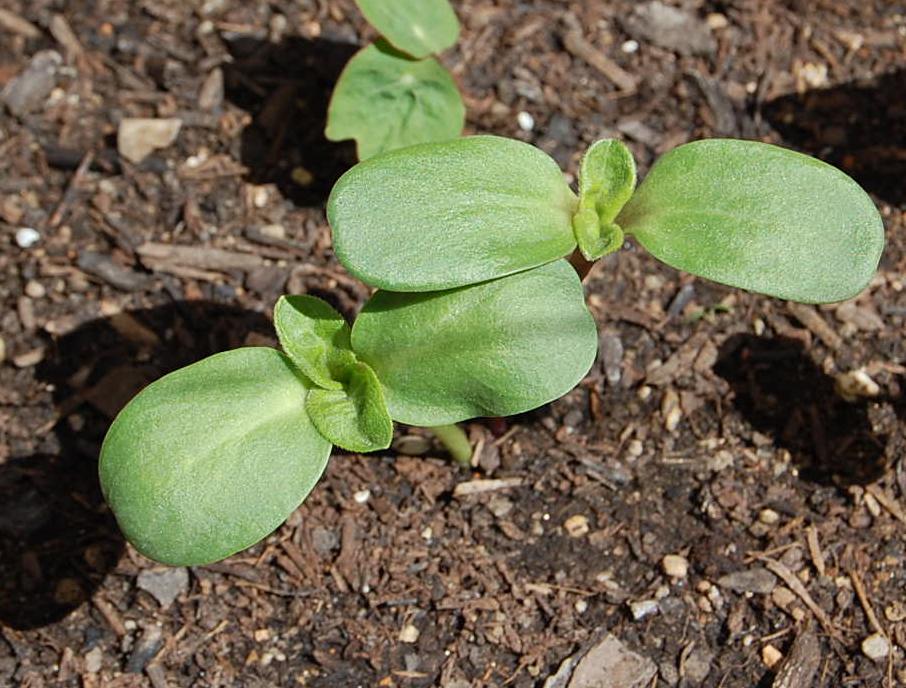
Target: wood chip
802,662
575,43
814,548
818,326
474,487
14,23
793,583
198,257
888,503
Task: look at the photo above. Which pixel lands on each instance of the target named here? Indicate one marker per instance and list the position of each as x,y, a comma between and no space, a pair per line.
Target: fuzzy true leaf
448,214
491,349
606,182
211,458
315,337
355,417
386,100
417,27
759,217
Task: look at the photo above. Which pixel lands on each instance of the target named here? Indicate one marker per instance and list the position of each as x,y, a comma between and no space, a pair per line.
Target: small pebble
675,566
875,646
630,47
770,655
581,606
643,608
525,121
635,448
855,385
35,289
576,526
768,516
27,237
409,634
783,597
138,137
94,660
362,496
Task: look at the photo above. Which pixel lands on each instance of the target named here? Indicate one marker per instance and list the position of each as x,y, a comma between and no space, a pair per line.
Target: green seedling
477,313
392,93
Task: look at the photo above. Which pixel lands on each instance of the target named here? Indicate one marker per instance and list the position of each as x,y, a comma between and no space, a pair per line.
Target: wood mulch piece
711,427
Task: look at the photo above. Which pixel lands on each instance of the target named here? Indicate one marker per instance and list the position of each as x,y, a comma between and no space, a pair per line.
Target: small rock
28,91
274,231
855,385
145,649
770,656
768,516
783,597
643,608
362,496
210,96
756,580
323,540
670,410
611,354
27,237
698,665
610,664
29,358
35,289
164,585
577,526
875,646
675,566
409,634
525,121
581,606
500,506
138,137
670,28
94,660
629,47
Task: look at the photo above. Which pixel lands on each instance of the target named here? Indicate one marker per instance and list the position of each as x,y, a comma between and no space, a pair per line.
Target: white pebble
643,608
630,47
409,634
27,237
875,646
581,606
362,496
675,566
525,121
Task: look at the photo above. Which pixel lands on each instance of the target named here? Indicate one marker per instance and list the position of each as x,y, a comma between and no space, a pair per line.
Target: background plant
477,313
392,93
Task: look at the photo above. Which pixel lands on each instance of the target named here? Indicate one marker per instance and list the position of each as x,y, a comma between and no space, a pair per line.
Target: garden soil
721,502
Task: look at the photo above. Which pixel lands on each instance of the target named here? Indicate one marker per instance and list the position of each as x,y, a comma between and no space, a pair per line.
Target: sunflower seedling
477,313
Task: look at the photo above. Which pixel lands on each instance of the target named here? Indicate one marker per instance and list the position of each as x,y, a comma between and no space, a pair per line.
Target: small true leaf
417,27
386,100
491,349
449,214
760,217
356,417
606,182
315,337
211,458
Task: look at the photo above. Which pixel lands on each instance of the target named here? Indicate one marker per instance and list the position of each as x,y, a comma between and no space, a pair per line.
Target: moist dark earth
759,443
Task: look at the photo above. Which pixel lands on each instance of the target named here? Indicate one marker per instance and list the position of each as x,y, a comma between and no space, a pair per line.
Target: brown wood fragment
818,326
814,548
197,257
575,43
14,23
866,603
111,615
802,662
885,501
783,573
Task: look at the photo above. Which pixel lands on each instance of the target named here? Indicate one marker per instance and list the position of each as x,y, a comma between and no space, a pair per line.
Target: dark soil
711,426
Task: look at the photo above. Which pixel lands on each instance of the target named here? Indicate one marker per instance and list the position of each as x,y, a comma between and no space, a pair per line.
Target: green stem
456,442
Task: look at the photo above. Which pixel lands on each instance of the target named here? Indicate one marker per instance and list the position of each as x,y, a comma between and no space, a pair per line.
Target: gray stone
670,28
28,91
756,580
164,585
610,664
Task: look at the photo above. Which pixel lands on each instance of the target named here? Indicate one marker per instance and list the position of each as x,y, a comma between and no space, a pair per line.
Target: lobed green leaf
315,337
417,27
491,349
759,217
449,214
355,417
210,459
386,100
606,182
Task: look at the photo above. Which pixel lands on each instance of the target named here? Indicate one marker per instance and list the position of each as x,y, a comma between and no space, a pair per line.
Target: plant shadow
58,540
858,127
286,88
783,394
